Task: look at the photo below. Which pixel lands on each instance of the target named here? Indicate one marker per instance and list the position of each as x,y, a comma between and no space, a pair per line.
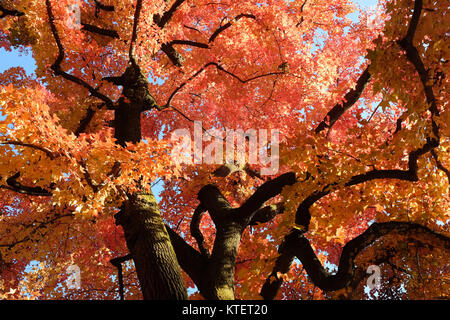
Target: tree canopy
360,108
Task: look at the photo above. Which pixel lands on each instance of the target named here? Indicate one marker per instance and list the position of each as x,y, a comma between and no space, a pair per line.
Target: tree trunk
148,241
223,259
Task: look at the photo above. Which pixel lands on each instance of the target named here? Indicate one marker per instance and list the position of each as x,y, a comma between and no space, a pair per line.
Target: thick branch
14,185
212,200
162,21
100,31
267,213
265,192
295,244
190,43
86,120
176,58
101,6
10,12
190,260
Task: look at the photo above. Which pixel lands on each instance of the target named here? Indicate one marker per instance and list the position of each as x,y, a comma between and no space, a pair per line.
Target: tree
362,115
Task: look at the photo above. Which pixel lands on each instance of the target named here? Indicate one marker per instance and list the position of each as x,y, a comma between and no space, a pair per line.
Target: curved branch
440,165
56,66
219,67
295,244
267,213
175,57
195,230
16,186
49,153
229,24
350,99
413,56
303,216
265,192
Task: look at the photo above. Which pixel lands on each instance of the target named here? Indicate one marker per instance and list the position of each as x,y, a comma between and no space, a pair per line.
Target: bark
222,263
230,223
148,241
149,244
220,266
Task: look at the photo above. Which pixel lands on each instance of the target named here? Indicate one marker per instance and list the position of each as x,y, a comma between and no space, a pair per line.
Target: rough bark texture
222,263
149,243
146,235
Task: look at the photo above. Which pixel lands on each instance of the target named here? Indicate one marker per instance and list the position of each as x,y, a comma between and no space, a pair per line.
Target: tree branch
84,122
190,260
350,99
37,225
49,153
117,262
189,43
267,213
56,66
14,185
100,31
440,165
211,199
162,21
10,12
413,56
195,230
219,67
101,6
137,14
264,192
295,244
176,58
221,29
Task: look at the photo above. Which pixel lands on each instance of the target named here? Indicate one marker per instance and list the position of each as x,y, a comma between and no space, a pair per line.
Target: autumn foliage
361,107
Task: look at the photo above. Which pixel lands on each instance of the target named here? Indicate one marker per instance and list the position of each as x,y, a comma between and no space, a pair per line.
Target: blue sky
15,59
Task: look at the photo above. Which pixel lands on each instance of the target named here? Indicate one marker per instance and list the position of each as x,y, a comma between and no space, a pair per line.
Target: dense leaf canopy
361,108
